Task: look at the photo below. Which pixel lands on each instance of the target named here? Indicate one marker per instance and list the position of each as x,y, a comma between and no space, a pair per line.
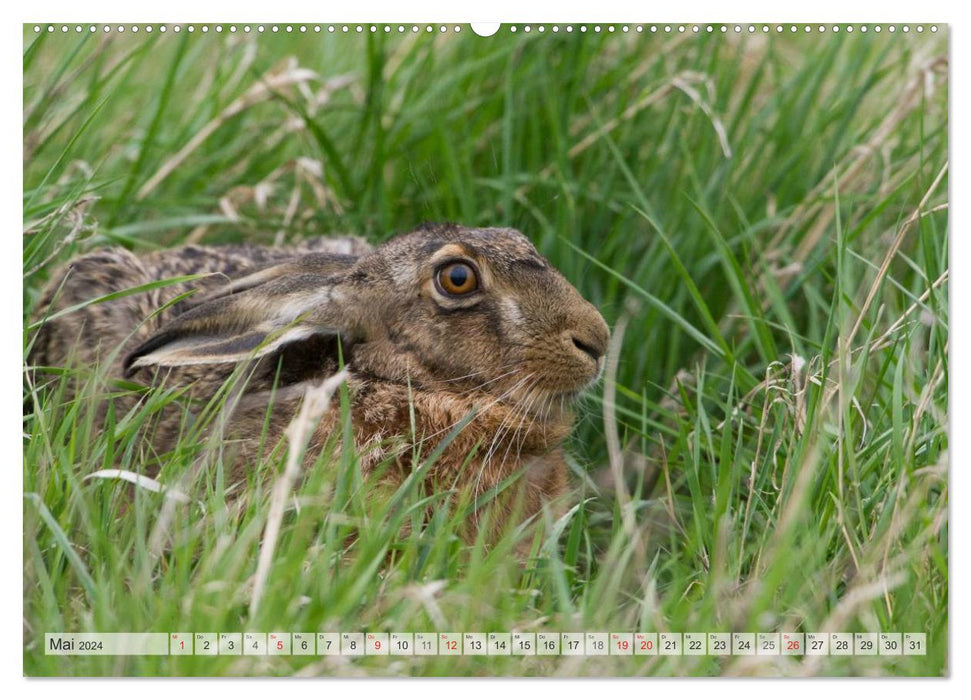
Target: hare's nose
586,330
595,351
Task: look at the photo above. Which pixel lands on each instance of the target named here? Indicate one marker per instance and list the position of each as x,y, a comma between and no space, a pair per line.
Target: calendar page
519,349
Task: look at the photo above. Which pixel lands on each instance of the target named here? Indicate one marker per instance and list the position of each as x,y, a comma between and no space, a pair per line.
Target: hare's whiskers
530,401
478,409
511,413
545,399
476,488
527,405
477,387
547,402
501,431
523,406
482,371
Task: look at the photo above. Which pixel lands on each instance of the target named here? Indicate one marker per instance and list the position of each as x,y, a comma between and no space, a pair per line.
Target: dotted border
511,28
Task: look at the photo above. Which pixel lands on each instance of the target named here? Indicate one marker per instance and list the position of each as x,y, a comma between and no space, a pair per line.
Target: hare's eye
457,279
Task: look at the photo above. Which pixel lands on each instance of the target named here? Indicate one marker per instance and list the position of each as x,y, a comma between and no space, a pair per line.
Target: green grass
766,217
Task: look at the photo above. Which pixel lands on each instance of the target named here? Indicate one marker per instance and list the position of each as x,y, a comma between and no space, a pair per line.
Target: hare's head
443,307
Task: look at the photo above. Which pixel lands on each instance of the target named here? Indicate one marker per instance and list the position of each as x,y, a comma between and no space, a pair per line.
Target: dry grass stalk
75,212
816,205
315,403
614,452
290,74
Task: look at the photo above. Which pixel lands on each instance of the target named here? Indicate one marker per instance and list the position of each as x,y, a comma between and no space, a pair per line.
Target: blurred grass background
763,217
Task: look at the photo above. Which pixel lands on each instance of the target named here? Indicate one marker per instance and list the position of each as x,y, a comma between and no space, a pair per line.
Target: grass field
761,218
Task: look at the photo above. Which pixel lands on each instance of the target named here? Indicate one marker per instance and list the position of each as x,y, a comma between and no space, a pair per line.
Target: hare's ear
251,317
306,266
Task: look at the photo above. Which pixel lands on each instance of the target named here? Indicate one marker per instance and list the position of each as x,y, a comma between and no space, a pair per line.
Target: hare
436,327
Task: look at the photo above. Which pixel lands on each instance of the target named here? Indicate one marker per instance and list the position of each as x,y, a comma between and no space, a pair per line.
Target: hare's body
440,328
108,331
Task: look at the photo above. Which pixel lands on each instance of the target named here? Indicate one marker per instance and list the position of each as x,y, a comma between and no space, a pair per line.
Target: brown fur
509,357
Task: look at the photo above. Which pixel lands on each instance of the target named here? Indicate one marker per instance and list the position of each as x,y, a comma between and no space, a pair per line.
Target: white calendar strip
489,644
109,644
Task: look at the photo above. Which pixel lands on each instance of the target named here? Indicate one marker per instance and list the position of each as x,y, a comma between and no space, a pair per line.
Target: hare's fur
506,359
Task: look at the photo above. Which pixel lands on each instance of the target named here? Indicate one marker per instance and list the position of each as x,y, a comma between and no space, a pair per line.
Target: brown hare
438,327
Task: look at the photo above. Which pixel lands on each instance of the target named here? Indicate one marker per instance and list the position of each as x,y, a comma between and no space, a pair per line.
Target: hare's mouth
571,396
573,385
547,403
